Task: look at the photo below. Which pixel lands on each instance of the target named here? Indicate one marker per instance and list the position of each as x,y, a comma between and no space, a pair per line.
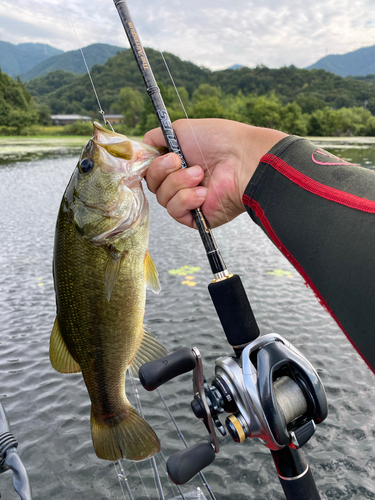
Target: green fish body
101,270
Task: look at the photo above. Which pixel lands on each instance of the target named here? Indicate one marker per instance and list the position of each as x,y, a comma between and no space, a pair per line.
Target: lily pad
185,270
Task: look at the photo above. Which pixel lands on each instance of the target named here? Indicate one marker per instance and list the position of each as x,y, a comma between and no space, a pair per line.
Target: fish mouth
119,143
103,135
115,144
119,153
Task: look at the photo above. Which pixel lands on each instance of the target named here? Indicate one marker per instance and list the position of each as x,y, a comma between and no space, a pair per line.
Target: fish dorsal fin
123,149
149,350
61,359
151,274
112,270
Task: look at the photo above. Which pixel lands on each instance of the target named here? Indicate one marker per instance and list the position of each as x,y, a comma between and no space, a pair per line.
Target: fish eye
86,165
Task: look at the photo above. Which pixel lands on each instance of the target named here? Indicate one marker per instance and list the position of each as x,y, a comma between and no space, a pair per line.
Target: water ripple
50,412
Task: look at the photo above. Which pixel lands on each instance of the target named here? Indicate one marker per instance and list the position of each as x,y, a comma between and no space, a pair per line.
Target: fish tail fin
149,349
128,436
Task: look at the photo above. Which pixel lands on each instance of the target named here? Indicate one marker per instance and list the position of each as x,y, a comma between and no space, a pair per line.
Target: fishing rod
269,388
180,495
227,292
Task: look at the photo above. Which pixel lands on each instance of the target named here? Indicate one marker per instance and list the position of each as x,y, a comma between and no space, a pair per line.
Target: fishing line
154,467
140,476
247,266
205,483
164,460
157,481
122,478
106,122
157,475
184,110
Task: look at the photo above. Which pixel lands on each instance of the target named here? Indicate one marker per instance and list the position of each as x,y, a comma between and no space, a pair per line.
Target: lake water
50,412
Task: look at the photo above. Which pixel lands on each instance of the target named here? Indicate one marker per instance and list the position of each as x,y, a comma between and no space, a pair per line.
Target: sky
211,33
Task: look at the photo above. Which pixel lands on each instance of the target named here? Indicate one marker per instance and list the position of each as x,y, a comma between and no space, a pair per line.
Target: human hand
220,167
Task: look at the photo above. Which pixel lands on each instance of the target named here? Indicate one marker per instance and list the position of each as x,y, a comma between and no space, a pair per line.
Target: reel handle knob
155,373
185,464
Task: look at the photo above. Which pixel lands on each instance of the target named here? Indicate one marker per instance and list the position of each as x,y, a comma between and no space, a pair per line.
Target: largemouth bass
101,269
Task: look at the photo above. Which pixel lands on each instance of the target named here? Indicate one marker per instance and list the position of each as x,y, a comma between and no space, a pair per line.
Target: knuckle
160,198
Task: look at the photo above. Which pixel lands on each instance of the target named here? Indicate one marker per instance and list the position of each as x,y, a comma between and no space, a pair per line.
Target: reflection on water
50,412
361,156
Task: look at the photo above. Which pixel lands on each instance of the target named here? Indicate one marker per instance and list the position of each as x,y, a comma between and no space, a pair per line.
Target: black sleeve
319,211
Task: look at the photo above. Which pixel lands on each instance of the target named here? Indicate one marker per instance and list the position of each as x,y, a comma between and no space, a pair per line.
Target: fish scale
100,286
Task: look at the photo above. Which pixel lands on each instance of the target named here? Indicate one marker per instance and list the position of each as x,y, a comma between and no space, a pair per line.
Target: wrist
256,142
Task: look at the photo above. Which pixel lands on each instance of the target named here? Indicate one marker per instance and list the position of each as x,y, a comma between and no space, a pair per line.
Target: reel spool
271,392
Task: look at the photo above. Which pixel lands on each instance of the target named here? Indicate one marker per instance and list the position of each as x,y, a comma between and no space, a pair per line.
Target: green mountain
226,93
360,62
72,61
117,72
41,87
17,59
291,83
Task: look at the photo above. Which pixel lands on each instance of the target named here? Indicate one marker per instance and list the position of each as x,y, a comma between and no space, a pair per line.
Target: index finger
160,168
155,138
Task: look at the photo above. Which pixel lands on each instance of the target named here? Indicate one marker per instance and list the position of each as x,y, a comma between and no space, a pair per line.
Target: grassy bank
21,148
18,148
35,139
74,129
83,129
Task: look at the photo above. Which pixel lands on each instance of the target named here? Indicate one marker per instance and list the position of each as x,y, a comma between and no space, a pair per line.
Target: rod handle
155,373
302,488
233,308
185,464
295,475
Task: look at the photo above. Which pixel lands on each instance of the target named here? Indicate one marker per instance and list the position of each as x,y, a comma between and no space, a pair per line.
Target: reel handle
185,464
156,373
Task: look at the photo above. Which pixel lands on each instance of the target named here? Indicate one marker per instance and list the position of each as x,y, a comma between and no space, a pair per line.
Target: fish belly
103,337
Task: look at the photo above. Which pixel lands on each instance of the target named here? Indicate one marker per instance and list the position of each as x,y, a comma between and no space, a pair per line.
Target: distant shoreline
20,148
29,148
78,140
343,140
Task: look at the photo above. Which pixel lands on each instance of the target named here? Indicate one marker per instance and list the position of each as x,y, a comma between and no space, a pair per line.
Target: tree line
297,101
17,109
307,115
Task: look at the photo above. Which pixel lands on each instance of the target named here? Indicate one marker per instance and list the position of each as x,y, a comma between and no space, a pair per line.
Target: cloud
213,33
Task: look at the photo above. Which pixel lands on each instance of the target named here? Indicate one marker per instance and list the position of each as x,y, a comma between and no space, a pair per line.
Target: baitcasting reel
10,460
270,391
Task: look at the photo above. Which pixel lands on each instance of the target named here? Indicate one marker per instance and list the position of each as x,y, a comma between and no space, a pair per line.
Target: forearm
320,212
254,143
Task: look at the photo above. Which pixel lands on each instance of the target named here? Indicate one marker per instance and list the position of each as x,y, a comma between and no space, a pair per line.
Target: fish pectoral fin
151,274
149,349
112,270
61,359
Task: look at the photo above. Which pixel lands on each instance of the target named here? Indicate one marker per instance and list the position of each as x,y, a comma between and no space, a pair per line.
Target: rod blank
214,257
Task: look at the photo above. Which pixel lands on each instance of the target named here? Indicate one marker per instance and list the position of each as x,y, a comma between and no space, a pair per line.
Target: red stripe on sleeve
329,193
254,205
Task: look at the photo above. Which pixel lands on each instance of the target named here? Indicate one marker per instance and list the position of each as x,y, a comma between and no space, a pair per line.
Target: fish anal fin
149,349
151,274
112,270
125,436
61,359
